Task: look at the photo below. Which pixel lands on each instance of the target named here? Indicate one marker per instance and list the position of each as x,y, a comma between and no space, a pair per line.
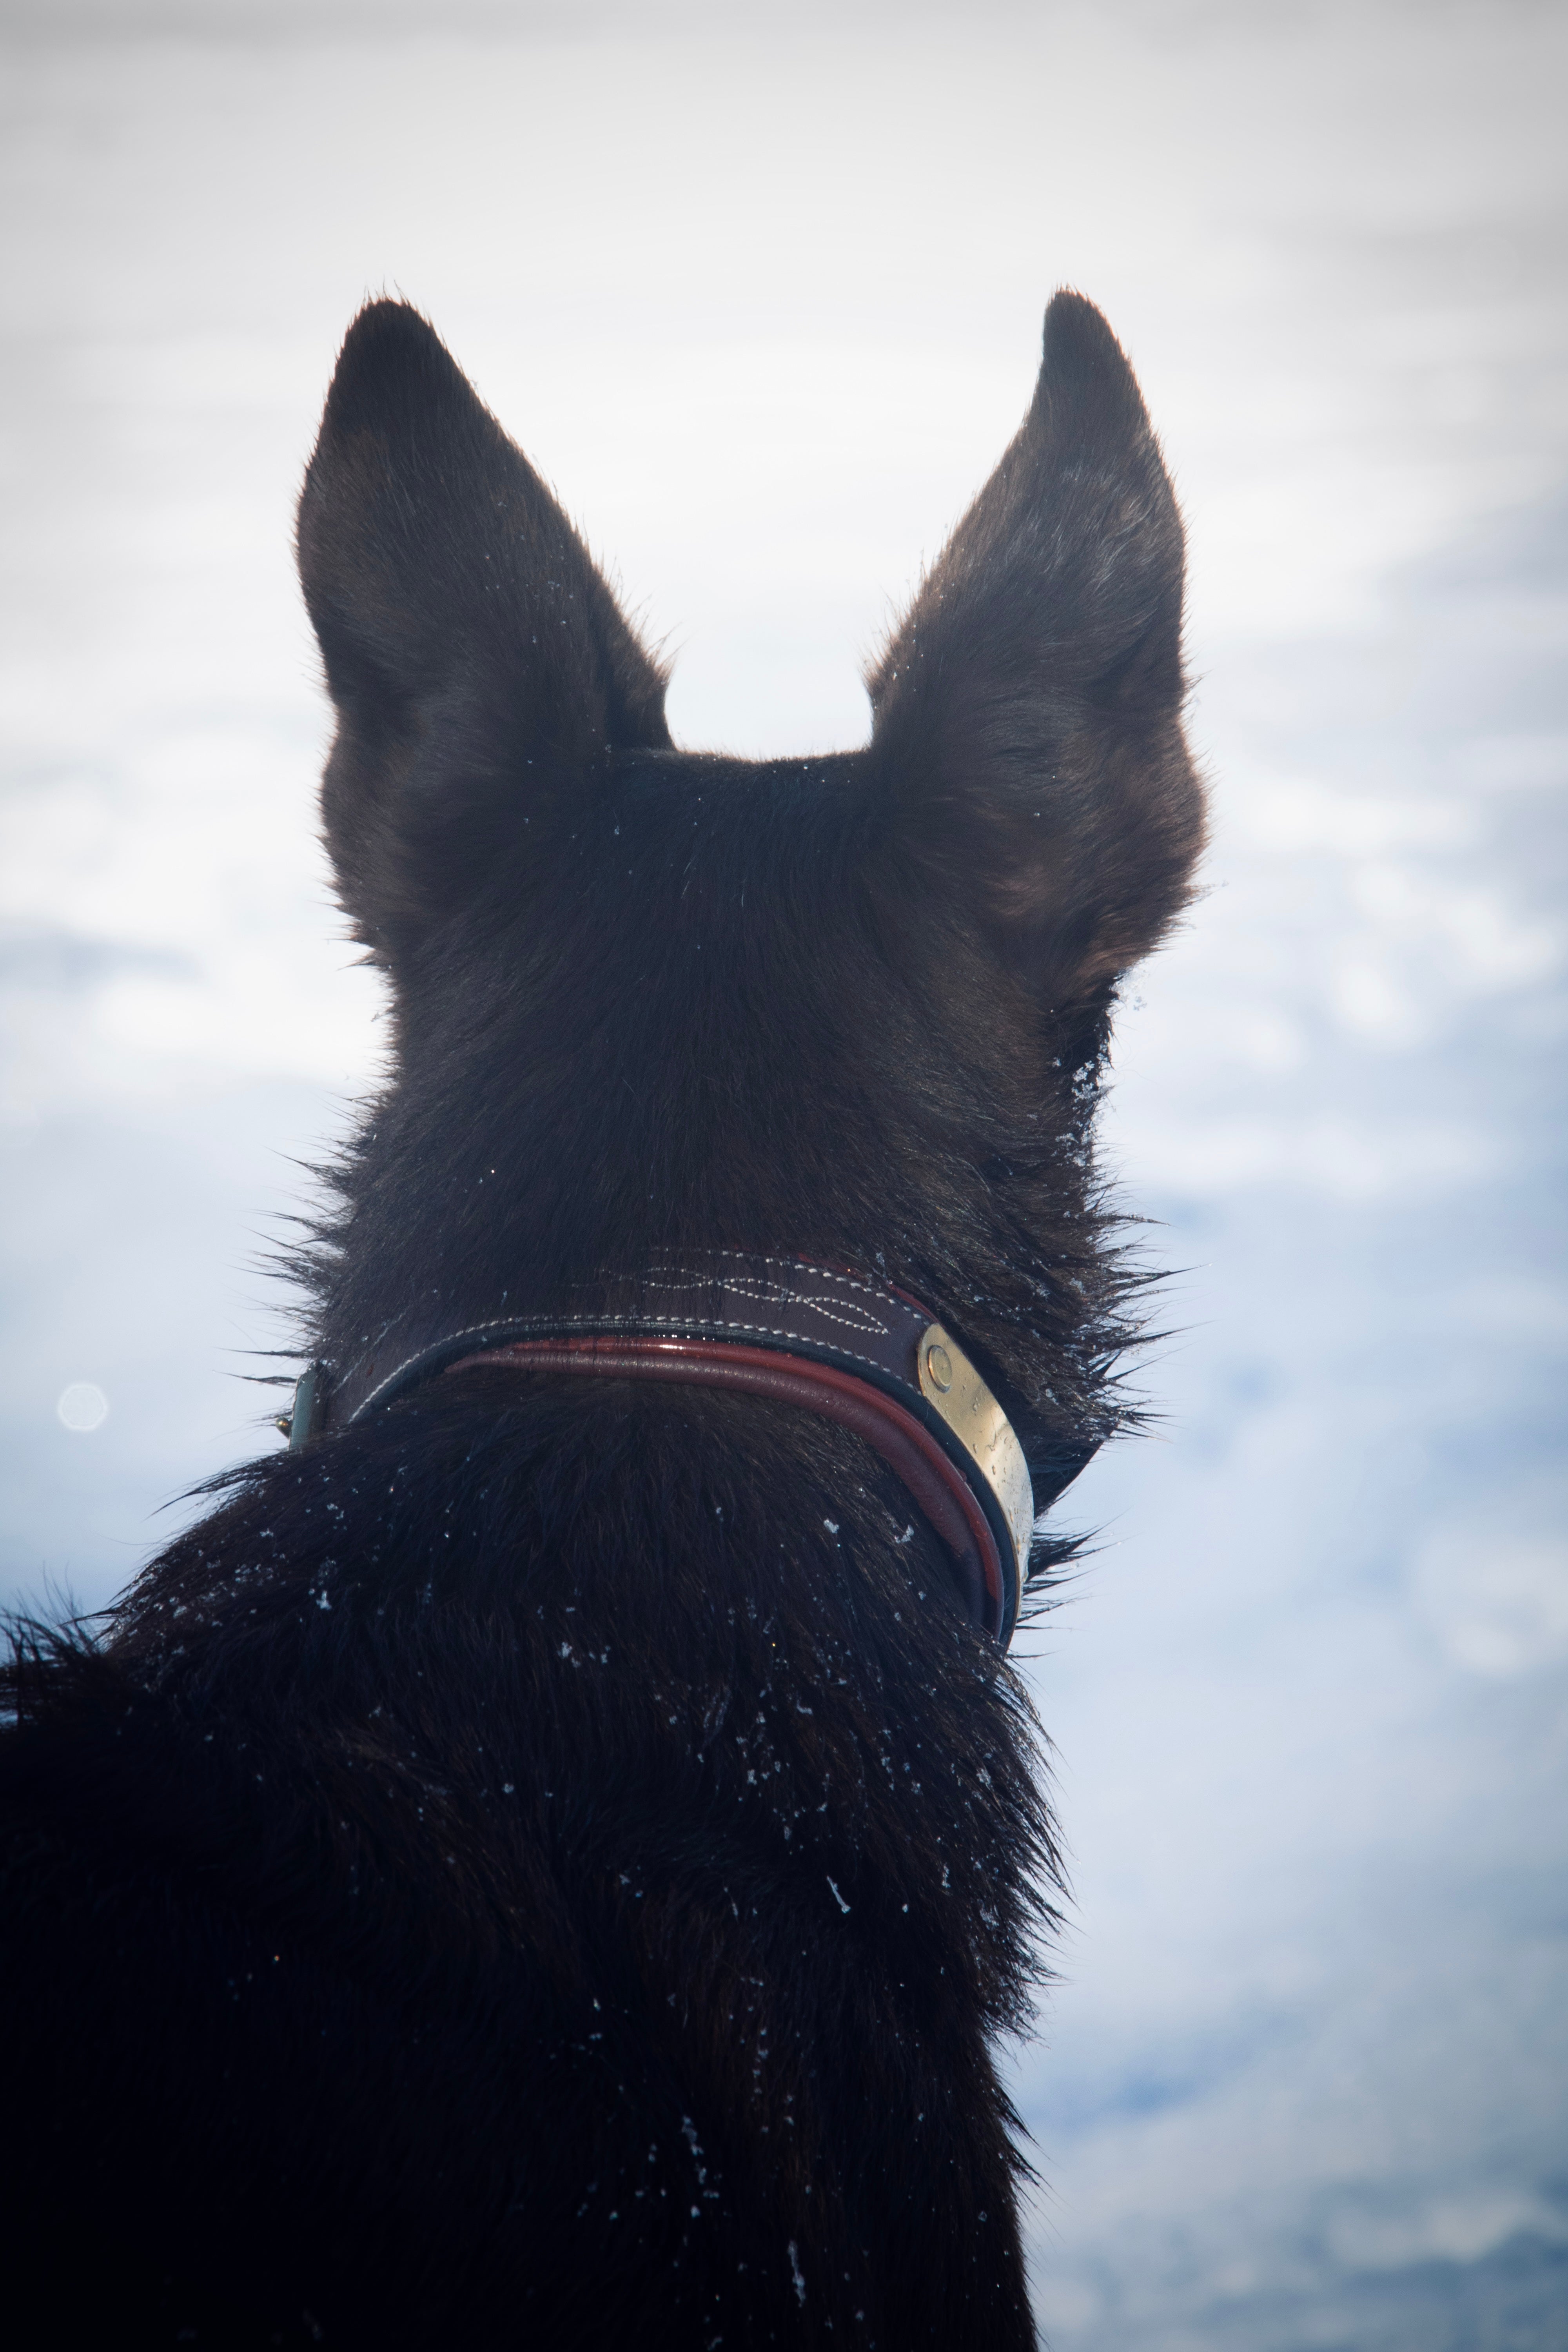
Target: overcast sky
765,306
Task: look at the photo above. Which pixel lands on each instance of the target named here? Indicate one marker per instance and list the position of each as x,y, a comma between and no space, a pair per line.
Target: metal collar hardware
952,1386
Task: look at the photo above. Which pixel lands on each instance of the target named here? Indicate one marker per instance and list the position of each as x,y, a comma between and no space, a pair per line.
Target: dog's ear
1027,712
479,663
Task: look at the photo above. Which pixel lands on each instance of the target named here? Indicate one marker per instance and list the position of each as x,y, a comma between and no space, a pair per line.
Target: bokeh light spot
82,1406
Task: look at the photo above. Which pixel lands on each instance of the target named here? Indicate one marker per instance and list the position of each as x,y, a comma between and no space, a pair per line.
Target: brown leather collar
859,1352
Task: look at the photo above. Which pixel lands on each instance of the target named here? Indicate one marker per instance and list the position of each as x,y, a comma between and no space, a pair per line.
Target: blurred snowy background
760,291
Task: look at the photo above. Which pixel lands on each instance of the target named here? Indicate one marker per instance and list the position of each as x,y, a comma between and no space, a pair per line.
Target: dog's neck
837,1343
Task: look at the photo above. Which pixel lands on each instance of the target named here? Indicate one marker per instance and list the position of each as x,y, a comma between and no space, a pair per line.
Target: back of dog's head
851,1005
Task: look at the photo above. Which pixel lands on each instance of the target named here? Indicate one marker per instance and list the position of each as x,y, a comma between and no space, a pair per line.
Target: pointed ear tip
388,343
386,319
1073,325
1083,364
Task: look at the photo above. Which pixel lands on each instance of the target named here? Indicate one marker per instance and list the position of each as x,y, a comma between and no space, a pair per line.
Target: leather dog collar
859,1352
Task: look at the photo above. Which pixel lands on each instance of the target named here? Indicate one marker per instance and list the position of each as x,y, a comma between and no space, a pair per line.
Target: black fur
544,1866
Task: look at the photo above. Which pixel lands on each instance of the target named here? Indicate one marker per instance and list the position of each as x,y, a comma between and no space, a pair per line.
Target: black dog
542,1863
